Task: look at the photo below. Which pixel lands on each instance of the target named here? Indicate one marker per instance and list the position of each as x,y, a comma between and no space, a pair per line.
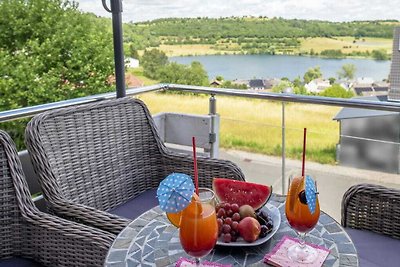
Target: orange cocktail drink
198,229
297,212
302,216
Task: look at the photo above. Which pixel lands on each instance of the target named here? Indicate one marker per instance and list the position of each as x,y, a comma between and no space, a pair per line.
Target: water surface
233,67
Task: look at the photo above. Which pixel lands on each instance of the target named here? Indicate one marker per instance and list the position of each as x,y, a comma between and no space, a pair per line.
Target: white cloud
141,10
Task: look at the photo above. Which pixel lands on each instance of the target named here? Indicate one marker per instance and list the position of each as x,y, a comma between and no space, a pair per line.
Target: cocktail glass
198,230
301,219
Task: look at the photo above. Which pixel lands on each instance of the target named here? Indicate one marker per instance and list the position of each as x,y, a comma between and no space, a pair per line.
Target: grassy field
255,125
346,44
190,50
318,44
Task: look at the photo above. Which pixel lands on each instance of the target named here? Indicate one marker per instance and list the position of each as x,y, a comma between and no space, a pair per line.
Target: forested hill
236,27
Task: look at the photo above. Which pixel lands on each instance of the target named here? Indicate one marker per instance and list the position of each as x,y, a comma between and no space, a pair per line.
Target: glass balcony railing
262,133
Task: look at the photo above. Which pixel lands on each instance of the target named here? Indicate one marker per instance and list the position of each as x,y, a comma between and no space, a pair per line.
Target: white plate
275,215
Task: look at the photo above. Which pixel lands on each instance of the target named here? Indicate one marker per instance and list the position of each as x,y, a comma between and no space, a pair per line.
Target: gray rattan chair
371,215
28,234
107,157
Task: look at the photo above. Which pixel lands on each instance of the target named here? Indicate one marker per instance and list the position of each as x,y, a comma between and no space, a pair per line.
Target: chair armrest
207,168
372,207
59,242
88,215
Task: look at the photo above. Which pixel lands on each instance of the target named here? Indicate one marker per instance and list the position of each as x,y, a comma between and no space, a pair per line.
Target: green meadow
255,125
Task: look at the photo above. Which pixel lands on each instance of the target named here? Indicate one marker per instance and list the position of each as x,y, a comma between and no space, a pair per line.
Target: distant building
257,84
216,83
345,84
371,89
380,88
269,83
364,86
394,89
363,89
365,80
131,62
317,85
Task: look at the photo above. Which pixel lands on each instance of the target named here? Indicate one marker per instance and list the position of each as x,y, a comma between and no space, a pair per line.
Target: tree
332,80
219,78
230,84
133,52
297,82
282,86
300,90
50,51
380,54
311,74
182,74
152,61
337,91
332,53
347,71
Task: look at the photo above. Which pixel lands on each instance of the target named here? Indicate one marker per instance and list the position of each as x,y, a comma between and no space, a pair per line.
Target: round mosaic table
151,240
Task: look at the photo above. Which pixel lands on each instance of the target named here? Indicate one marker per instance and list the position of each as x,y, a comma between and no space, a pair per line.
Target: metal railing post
283,149
214,127
116,11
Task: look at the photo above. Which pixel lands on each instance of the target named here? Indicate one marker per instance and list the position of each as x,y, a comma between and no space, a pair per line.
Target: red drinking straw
196,175
304,152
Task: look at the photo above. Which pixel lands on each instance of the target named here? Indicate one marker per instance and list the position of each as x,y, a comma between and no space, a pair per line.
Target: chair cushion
136,206
375,249
19,262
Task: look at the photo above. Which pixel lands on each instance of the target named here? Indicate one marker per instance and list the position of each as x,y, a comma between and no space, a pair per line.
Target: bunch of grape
228,218
265,221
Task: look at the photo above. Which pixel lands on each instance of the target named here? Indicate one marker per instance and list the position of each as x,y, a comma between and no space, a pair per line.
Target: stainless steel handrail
283,97
10,115
20,113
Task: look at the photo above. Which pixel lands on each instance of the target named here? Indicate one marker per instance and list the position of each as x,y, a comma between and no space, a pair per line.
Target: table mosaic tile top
151,240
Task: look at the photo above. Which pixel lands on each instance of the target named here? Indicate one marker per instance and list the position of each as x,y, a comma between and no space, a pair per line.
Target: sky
332,10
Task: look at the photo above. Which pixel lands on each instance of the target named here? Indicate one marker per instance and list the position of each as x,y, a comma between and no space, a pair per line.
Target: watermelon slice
241,193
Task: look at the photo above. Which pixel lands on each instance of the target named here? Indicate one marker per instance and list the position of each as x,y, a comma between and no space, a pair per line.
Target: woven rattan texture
94,157
372,207
27,232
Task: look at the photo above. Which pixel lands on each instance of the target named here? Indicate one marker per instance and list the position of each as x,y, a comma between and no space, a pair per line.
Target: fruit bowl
276,219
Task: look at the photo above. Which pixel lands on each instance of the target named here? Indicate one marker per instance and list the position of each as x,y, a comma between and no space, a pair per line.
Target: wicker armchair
28,233
373,208
371,215
96,157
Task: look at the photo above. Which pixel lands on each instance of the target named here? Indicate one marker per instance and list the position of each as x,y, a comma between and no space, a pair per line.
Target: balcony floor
332,181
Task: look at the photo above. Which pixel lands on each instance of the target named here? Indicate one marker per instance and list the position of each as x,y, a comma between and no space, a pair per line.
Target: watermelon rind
241,192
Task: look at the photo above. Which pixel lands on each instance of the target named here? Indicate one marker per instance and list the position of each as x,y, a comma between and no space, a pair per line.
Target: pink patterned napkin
278,256
183,262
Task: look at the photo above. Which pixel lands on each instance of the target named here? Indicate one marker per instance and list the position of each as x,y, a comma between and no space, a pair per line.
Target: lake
233,67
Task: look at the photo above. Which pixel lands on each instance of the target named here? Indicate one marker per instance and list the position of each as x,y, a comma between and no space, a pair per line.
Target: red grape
235,207
221,213
229,213
236,217
226,228
228,220
227,206
234,225
227,238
